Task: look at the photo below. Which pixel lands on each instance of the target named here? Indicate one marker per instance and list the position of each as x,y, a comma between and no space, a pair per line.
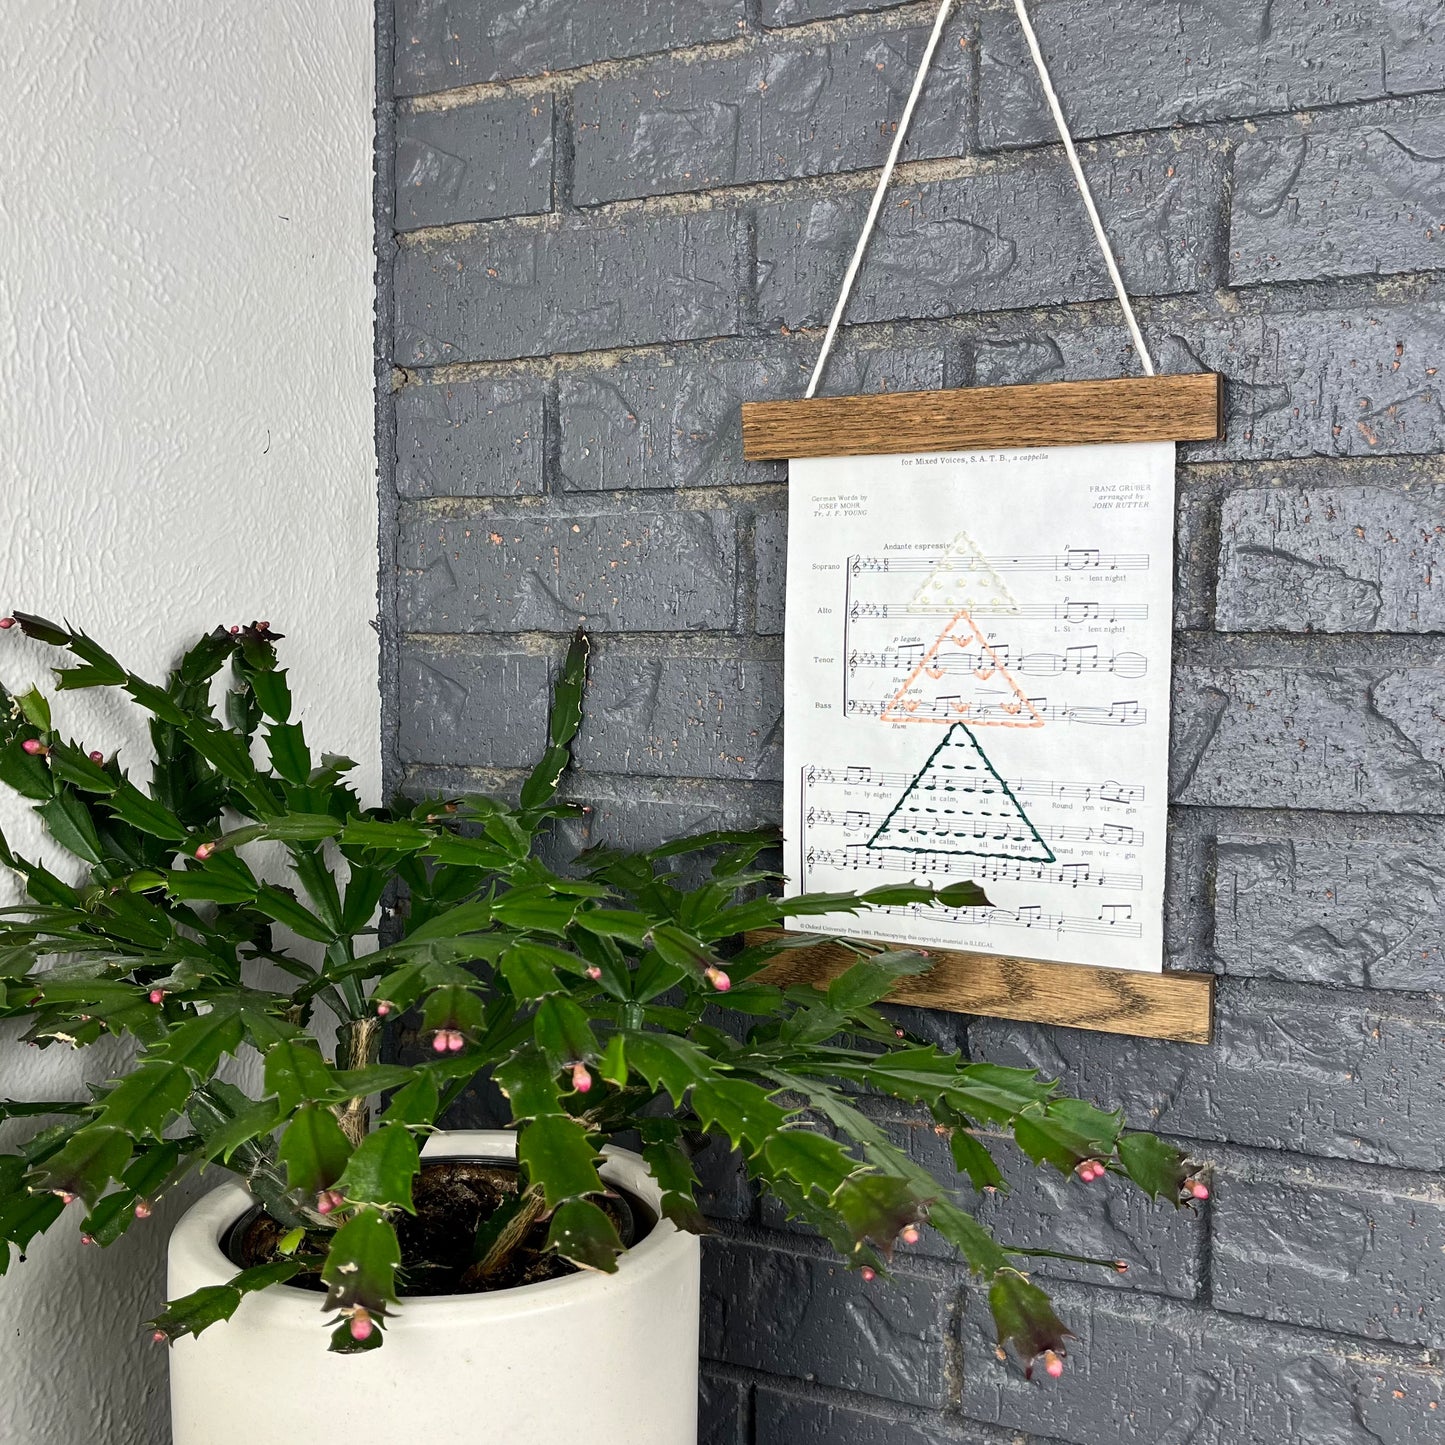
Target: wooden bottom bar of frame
1110,1000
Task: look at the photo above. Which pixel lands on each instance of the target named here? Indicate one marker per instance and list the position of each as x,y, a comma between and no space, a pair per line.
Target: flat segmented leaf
295,1072
669,1063
382,1169
214,1303
76,768
71,825
815,1162
200,1043
559,1158
673,1171
145,1102
417,1103
1156,1167
583,1233
1024,1317
89,1160
361,1264
144,813
742,1110
283,906
28,775
313,1149
563,1032
872,979
530,1085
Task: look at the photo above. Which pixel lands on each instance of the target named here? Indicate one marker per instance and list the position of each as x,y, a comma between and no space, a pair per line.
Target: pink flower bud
593,972
455,1041
439,1041
205,850
158,995
159,1336
66,1197
718,979
264,626
361,1325
869,1274
581,1079
87,1239
1197,1188
382,1009
142,1209
323,1202
6,623
235,631
97,756
910,1234
33,746
1121,1266
1090,1170
899,1034
1053,1365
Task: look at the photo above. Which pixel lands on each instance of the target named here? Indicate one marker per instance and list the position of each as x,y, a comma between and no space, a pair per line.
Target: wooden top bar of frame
1065,413
1076,995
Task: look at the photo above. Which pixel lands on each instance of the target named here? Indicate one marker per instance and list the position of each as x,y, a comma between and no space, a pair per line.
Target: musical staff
1071,559
858,857
860,775
1038,710
857,820
1080,661
1113,918
1065,611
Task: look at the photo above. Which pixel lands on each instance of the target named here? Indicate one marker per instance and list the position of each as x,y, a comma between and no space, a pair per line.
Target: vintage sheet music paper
978,658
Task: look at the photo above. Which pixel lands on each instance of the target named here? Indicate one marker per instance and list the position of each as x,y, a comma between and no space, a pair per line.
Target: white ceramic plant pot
595,1359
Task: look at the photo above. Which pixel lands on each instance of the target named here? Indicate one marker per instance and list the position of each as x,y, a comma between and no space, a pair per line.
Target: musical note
1109,791
952,707
1066,611
1071,559
1073,661
854,858
854,820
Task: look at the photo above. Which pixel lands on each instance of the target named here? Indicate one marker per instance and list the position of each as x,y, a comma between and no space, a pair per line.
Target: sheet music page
978,659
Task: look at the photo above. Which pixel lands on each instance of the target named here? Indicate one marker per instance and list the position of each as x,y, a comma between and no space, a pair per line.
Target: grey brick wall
611,224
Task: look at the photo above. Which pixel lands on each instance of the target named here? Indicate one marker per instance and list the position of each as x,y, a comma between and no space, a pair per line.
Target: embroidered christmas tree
965,581
958,803
961,678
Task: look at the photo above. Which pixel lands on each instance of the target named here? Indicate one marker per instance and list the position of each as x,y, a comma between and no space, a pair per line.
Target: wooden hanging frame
1169,1005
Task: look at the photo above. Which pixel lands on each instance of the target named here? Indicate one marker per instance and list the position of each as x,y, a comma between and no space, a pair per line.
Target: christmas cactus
615,999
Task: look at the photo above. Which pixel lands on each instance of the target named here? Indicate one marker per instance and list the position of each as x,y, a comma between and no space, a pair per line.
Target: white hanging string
1100,235
851,274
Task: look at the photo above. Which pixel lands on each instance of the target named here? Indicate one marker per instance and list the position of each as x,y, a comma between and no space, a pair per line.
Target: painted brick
1361,200
690,717
1350,382
788,1419
486,710
1145,1371
722,1410
1015,235
810,108
470,439
645,424
1120,67
1332,1073
1045,1210
1360,1252
1349,739
792,1314
513,289
770,571
796,12
441,44
1367,912
484,572
1356,559
474,162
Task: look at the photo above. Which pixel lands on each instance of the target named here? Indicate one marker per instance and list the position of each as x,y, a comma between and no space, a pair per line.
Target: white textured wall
185,439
